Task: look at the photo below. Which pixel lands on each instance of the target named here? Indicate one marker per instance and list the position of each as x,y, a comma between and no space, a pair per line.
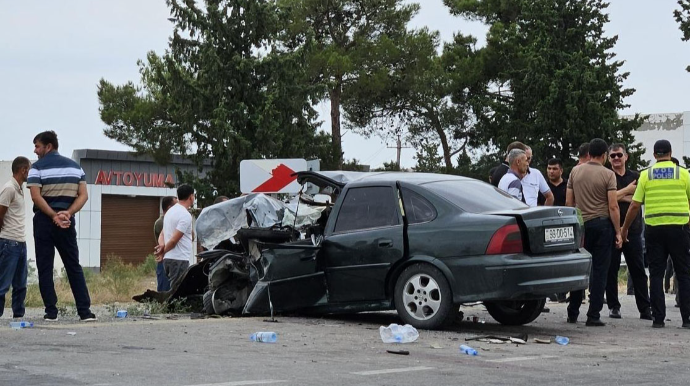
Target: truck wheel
515,313
423,297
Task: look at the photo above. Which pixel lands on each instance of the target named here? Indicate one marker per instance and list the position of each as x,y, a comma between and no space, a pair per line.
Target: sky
52,55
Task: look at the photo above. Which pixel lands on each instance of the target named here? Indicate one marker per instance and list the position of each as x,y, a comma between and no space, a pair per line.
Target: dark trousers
13,271
661,241
599,241
47,238
175,271
634,260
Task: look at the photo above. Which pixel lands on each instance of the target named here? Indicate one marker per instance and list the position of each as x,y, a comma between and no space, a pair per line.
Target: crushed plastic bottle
22,324
396,333
468,350
264,337
562,340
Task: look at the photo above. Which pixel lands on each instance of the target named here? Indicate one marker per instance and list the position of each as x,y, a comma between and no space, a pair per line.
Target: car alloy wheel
422,297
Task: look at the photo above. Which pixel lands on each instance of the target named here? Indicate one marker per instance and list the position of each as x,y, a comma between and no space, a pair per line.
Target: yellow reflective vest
664,189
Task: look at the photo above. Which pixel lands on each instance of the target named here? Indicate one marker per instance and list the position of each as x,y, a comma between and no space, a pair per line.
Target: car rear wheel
423,297
515,313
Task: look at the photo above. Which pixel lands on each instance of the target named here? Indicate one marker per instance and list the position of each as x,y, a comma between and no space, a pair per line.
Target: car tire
423,298
515,313
208,303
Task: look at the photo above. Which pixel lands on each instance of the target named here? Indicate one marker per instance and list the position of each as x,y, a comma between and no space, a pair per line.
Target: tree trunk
336,138
444,145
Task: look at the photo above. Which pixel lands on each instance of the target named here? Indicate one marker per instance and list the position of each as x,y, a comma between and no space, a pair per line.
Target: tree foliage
223,90
682,16
552,80
350,46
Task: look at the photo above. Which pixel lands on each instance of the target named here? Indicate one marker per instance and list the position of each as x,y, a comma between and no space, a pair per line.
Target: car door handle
385,243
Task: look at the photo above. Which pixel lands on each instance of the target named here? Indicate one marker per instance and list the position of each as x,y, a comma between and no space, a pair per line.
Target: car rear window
475,196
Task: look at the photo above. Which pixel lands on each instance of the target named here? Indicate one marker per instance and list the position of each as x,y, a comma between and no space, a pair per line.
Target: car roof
343,178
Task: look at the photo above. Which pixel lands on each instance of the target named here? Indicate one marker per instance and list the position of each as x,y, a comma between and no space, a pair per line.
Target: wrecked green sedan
422,244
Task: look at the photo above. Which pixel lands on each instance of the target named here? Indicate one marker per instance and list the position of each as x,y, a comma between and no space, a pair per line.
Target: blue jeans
13,271
163,282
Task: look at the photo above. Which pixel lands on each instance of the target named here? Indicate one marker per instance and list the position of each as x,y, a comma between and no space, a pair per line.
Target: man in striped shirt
58,190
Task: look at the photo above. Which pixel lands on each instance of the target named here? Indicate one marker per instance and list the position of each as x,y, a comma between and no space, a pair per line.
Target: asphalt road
342,350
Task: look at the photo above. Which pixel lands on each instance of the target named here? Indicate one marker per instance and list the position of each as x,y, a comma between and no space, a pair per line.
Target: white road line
240,383
391,371
518,359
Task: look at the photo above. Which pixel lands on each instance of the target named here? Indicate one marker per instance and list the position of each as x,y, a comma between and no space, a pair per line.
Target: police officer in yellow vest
664,189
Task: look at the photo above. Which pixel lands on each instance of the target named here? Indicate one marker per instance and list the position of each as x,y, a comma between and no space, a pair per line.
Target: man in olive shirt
592,189
163,282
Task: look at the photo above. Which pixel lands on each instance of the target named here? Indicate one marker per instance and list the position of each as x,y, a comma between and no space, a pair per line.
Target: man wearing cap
664,189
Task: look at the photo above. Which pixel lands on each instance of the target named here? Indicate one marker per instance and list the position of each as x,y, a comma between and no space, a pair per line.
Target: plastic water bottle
562,340
264,337
395,333
22,324
468,350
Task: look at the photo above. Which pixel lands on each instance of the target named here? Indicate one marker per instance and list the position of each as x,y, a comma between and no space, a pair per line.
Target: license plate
554,235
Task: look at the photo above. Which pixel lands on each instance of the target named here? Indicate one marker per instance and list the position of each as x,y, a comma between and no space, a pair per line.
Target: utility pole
399,147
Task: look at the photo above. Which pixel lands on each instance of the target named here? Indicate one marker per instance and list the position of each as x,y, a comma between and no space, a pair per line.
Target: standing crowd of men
609,200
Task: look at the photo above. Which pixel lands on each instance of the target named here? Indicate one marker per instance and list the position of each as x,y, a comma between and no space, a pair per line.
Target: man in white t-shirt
534,183
175,242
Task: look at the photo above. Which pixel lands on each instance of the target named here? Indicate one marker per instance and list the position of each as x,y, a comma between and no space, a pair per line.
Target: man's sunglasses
616,155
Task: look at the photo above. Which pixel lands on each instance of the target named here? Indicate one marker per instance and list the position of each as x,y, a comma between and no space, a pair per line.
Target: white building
674,127
124,192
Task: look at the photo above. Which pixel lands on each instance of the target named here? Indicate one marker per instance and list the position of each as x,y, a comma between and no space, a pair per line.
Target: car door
292,279
362,241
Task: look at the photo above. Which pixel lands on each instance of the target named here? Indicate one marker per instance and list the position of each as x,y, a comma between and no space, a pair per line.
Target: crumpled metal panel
221,222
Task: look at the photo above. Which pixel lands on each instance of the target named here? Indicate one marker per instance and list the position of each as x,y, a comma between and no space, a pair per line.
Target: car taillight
507,239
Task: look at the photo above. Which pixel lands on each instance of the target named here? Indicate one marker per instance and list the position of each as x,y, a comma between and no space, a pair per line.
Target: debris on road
562,340
398,352
542,341
396,333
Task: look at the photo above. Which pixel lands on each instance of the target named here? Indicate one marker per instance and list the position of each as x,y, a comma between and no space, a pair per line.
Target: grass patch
116,283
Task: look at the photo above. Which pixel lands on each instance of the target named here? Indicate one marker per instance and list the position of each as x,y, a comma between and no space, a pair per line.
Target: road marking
391,371
518,359
240,383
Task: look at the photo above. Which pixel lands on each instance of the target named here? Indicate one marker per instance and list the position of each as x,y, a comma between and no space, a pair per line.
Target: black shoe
594,323
546,310
50,318
686,325
571,320
88,318
646,316
615,313
17,316
658,325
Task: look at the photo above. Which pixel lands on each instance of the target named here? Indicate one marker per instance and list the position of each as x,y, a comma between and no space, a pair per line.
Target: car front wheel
423,297
515,313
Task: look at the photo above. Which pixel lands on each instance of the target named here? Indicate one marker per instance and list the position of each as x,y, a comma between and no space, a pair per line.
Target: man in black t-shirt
556,182
626,181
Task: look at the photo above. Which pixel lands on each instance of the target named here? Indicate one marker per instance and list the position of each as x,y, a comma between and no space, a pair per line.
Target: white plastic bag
398,334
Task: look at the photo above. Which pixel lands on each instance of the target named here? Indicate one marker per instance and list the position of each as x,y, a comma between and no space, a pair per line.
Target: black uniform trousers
661,241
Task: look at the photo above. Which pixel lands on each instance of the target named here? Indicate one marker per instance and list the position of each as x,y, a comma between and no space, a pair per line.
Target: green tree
682,16
551,75
348,44
223,90
416,95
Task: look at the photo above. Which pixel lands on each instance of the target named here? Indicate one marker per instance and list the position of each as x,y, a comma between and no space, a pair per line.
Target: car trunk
548,229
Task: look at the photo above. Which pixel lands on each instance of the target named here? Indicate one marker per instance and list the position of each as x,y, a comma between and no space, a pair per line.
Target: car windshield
475,196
